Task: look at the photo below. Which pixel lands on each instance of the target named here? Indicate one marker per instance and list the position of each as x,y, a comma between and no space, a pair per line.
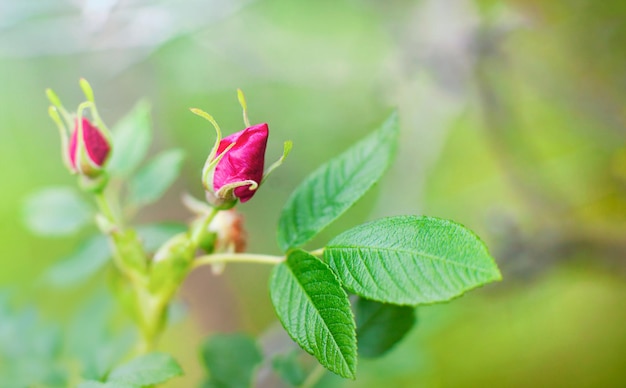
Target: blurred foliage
36,352
230,360
380,326
513,123
29,348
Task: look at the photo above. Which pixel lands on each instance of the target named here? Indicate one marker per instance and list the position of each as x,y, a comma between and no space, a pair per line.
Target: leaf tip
351,371
497,273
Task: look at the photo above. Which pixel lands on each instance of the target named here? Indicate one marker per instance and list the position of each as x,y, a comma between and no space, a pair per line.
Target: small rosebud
239,169
88,153
234,169
85,146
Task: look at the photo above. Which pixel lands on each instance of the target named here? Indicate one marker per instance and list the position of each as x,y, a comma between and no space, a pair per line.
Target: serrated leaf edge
345,361
382,132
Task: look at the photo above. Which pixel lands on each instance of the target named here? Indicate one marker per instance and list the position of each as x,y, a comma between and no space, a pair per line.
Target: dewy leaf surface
410,260
315,311
334,187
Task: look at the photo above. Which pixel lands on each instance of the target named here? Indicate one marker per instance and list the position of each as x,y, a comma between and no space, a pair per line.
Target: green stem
104,206
314,377
237,258
317,252
154,306
197,233
150,308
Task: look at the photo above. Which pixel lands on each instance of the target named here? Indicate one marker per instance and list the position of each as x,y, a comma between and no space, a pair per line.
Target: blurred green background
513,117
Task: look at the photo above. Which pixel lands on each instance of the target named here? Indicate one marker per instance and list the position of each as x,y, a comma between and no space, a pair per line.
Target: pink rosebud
234,169
239,171
88,154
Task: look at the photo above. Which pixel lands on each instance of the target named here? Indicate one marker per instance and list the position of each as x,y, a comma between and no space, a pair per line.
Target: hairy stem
237,258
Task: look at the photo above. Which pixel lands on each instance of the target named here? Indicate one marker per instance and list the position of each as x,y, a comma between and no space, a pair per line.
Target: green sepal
206,240
96,184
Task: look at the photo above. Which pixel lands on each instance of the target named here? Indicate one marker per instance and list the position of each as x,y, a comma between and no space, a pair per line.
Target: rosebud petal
244,161
88,155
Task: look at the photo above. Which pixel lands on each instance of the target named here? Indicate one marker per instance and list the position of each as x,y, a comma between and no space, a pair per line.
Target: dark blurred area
513,123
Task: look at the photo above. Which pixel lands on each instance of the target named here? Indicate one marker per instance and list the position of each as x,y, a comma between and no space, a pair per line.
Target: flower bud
225,232
234,169
229,231
237,166
88,150
85,146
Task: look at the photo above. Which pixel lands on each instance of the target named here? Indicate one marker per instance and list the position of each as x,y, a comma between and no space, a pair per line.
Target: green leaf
151,182
315,311
379,326
154,235
30,348
149,369
231,360
334,187
410,260
98,384
131,139
56,211
89,258
289,368
92,339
